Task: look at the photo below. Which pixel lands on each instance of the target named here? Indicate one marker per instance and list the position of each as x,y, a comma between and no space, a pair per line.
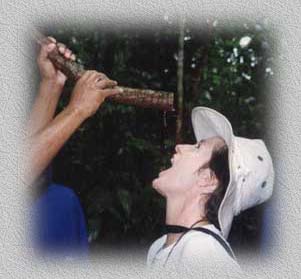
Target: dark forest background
112,159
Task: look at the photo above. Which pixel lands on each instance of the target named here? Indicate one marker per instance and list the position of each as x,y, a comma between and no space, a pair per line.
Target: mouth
172,160
166,166
164,169
161,173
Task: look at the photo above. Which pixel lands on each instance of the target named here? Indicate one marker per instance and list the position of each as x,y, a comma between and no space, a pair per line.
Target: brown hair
219,164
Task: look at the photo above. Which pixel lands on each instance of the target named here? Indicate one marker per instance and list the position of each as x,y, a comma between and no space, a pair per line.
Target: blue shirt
60,222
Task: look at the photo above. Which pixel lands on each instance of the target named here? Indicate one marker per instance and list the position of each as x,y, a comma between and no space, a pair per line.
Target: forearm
46,143
45,105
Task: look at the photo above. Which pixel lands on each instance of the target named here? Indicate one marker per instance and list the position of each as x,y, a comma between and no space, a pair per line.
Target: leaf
116,214
125,201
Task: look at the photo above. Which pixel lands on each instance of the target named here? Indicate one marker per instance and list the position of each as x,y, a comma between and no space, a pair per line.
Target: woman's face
184,177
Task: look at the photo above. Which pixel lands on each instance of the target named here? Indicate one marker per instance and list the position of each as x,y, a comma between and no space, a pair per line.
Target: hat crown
252,172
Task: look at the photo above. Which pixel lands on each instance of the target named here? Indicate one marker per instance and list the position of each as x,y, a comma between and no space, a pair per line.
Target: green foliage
113,158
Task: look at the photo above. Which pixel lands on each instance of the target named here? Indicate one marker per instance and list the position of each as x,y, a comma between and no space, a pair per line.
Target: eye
198,145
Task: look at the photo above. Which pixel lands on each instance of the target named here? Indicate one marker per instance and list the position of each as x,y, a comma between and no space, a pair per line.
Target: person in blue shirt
60,225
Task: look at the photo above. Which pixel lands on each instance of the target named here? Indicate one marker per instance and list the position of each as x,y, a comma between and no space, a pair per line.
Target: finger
84,76
106,83
102,76
94,76
112,91
48,43
45,49
73,57
88,74
50,47
98,76
61,47
53,40
68,53
45,41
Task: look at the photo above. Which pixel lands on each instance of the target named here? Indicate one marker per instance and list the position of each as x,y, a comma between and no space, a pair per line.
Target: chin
155,183
156,186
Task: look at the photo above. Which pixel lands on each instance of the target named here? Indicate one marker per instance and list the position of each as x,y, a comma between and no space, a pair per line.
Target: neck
183,213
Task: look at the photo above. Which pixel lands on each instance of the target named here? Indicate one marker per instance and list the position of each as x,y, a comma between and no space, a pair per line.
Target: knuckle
44,47
44,41
101,83
51,38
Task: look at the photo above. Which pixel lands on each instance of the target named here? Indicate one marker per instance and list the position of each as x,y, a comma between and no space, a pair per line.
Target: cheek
174,182
185,181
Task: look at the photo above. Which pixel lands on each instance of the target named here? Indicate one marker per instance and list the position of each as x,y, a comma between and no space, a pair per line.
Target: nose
180,148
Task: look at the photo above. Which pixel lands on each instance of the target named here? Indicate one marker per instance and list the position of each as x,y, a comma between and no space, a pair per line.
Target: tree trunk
180,84
196,75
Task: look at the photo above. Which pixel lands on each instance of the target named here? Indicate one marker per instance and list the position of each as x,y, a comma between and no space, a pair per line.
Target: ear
207,181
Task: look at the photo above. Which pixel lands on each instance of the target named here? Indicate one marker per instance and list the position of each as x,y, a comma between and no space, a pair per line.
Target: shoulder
57,192
61,190
157,244
204,247
203,252
154,248
199,244
57,200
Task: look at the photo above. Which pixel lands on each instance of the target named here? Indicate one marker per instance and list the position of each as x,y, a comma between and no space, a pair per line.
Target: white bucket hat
250,166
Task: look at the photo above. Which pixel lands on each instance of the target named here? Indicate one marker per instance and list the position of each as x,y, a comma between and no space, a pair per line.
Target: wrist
53,84
76,112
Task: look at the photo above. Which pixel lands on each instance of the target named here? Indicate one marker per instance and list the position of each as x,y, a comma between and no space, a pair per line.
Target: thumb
45,49
112,91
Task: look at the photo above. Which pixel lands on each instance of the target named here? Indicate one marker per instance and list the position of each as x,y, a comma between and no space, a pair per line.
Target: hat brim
208,123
